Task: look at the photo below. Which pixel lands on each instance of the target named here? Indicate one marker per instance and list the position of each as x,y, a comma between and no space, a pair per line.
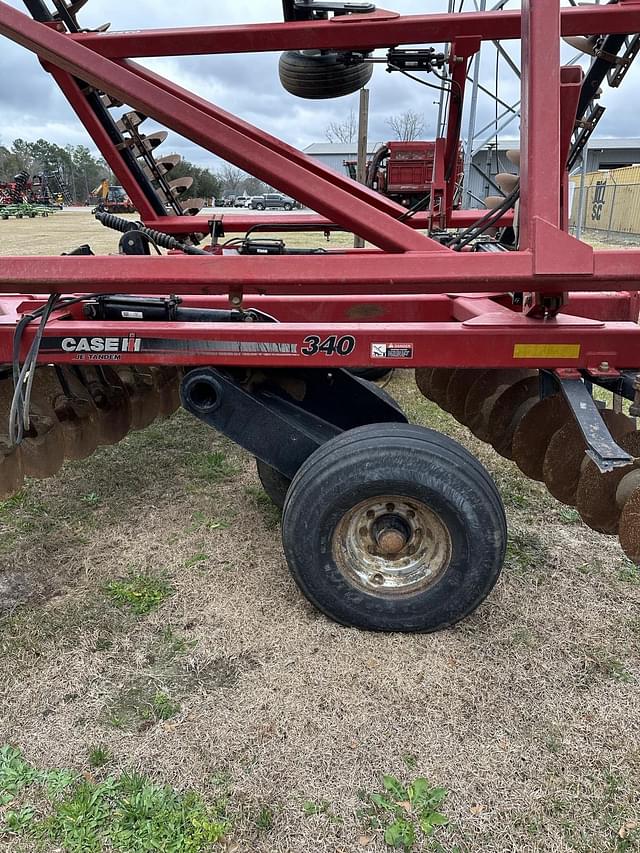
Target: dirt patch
527,713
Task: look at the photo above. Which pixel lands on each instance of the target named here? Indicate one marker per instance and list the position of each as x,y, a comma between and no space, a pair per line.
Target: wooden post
363,140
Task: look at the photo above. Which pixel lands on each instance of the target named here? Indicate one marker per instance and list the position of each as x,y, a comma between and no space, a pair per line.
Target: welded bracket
602,449
306,10
283,416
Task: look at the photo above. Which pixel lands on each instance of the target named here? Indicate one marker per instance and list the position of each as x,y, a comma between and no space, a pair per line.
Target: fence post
581,205
613,206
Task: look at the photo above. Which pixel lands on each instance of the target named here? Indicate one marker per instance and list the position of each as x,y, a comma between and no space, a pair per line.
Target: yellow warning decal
550,351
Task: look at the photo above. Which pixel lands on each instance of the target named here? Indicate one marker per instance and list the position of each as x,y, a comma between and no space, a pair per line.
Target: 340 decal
333,345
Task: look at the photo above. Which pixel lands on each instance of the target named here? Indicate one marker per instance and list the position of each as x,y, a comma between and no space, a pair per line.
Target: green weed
212,466
163,708
99,756
264,820
200,521
142,593
629,573
127,813
407,814
271,514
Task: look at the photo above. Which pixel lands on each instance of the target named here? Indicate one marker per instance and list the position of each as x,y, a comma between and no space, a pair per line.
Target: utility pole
473,113
363,146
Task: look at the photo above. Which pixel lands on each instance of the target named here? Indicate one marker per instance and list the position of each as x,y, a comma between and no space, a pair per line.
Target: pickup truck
271,201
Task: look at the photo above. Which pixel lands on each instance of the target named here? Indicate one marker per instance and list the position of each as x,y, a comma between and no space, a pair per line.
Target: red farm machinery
509,322
404,171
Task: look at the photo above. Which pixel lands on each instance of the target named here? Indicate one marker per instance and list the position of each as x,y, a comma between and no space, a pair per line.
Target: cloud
248,85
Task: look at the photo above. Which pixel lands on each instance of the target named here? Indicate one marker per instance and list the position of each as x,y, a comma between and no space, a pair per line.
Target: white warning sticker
393,350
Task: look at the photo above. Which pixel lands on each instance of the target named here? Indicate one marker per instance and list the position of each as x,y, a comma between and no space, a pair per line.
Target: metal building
334,154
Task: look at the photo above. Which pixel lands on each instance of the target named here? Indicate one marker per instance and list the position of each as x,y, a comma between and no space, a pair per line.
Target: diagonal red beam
331,198
365,32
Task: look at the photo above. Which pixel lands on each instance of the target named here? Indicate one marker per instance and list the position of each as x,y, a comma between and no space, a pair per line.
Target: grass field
165,686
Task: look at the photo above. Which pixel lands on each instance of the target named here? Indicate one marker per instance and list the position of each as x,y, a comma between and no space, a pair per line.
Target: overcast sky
248,85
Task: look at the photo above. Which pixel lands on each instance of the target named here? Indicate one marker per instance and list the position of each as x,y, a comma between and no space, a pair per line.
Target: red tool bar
332,196
241,223
360,272
364,32
620,307
486,341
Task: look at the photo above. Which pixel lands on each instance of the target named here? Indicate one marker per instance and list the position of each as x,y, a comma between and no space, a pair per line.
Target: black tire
372,374
275,484
259,207
288,207
426,474
317,76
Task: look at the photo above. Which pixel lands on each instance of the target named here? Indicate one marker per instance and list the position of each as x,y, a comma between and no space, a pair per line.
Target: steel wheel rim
390,546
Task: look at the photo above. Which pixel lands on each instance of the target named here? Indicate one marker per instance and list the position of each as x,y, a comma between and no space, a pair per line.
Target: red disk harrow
508,320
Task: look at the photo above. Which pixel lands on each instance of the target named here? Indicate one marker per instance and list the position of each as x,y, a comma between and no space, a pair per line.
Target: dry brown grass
528,713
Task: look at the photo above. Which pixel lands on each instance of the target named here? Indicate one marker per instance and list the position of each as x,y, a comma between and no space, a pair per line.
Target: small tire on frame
275,484
394,527
319,76
372,374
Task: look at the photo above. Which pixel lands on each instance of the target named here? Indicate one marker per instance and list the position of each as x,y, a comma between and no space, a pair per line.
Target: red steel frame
409,290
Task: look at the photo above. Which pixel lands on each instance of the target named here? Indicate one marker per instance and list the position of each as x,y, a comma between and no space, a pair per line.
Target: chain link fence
607,210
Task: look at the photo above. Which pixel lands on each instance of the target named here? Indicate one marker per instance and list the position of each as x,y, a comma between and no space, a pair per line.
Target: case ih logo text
102,345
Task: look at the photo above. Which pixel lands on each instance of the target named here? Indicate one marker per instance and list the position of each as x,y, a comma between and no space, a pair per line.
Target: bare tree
343,131
407,126
231,178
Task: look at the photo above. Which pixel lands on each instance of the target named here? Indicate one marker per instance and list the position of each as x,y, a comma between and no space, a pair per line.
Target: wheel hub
391,545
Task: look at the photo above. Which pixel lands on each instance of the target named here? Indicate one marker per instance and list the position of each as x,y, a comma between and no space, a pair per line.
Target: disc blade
439,384
192,206
78,416
181,185
507,182
630,528
423,380
169,162
458,389
494,201
596,495
153,140
129,120
143,396
534,434
112,401
581,44
11,472
484,395
567,455
513,156
508,412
